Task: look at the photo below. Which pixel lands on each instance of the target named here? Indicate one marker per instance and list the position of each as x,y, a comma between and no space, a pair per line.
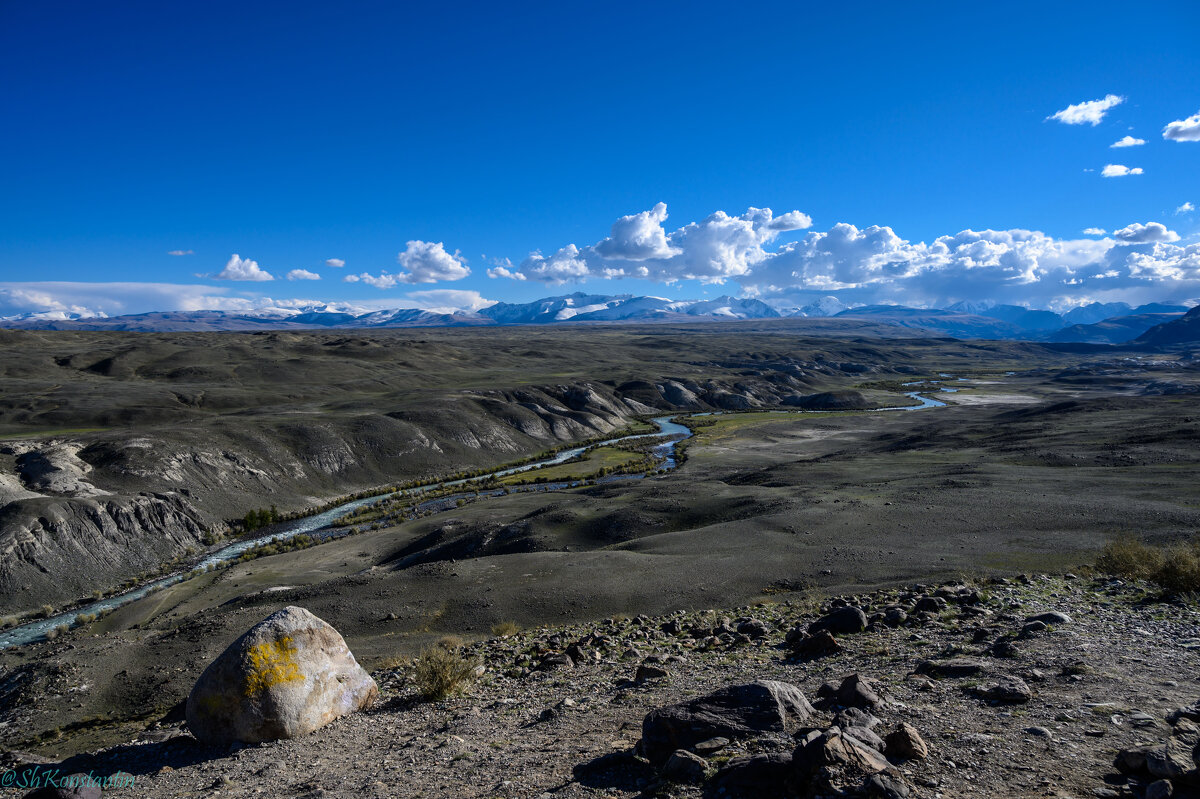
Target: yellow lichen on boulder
286,676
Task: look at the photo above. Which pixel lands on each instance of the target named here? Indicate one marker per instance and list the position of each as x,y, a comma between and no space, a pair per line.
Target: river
34,631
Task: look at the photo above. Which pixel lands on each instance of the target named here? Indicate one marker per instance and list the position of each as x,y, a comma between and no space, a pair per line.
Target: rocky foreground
1043,686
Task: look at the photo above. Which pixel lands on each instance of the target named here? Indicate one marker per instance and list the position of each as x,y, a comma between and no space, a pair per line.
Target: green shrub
440,672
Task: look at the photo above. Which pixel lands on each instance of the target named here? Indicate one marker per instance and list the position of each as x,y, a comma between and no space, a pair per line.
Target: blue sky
292,133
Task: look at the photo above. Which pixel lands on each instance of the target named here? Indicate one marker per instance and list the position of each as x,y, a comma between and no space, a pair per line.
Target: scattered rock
288,675
1009,691
1160,789
684,767
842,621
881,786
756,776
955,667
1049,617
818,645
649,671
906,743
737,711
834,751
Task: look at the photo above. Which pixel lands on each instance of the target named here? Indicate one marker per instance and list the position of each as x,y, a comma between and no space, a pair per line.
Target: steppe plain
121,452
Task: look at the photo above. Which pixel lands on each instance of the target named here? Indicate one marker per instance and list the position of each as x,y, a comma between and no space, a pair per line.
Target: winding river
325,525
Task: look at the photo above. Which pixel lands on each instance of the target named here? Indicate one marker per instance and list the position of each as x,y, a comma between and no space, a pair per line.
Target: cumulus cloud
181,252
1185,208
1183,129
1119,170
1142,234
381,281
713,250
238,268
1128,141
1090,112
428,262
302,274
504,268
1140,262
336,263
638,236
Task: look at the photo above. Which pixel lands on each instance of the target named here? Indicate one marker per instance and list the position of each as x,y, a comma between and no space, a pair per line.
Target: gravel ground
1101,682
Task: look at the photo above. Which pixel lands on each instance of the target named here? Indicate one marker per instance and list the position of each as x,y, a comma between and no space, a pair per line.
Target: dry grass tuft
440,672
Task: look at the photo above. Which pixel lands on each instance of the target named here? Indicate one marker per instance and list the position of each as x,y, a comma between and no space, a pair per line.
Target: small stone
906,743
855,717
1170,760
1160,789
818,645
753,628
1009,691
955,667
882,786
842,621
684,767
1040,732
1049,617
556,660
711,746
1033,627
755,776
649,671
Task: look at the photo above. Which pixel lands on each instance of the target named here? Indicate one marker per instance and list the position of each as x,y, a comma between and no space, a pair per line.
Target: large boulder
286,676
737,711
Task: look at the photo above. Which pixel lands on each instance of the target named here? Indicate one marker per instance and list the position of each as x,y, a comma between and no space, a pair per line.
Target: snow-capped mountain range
1111,322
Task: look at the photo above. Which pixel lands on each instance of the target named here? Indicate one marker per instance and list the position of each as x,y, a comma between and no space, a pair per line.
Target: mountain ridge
1112,323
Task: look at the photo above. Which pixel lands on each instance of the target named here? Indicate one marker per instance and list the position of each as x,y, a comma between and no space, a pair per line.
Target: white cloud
1142,234
67,298
1090,112
238,268
382,281
1140,263
1185,208
504,269
638,236
1093,231
1183,129
448,300
428,262
336,263
1119,170
302,274
182,252
712,250
1128,141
